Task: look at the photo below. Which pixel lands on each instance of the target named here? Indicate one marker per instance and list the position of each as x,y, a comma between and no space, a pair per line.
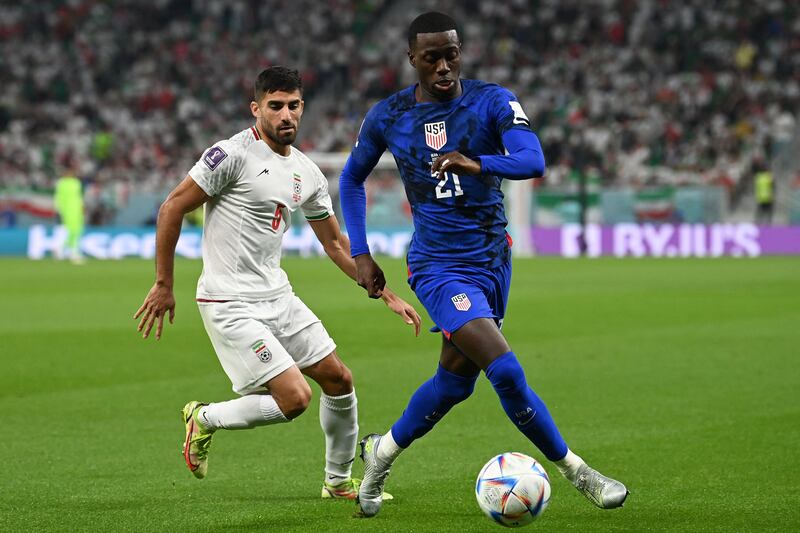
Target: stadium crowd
639,92
636,92
135,90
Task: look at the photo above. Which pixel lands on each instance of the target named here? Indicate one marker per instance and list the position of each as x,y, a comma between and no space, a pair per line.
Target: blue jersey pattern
457,219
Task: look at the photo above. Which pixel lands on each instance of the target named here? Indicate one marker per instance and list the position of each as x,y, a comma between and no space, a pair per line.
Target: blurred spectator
139,88
765,195
683,92
670,93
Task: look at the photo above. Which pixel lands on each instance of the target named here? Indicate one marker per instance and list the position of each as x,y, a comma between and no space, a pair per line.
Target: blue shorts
455,294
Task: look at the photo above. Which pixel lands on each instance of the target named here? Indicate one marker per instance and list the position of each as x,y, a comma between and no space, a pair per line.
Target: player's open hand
457,163
402,308
369,275
159,301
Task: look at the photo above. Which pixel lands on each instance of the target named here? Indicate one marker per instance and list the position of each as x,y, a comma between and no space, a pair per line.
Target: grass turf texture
678,376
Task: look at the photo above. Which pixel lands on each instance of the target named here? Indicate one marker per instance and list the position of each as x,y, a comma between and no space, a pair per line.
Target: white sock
338,416
388,450
568,466
242,413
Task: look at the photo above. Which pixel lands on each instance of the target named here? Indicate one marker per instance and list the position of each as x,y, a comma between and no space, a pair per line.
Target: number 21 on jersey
444,191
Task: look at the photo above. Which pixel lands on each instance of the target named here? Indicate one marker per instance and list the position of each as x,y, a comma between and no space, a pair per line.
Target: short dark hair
430,22
277,79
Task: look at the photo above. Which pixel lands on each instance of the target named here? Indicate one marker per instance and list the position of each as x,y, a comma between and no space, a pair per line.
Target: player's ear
254,109
411,58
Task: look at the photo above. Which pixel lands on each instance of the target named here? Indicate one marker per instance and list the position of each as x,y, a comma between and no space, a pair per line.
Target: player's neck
282,150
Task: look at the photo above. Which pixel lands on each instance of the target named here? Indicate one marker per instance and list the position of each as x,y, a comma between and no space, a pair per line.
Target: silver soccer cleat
602,491
370,493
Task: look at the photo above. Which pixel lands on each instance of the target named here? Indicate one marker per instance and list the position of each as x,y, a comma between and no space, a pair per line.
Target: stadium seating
637,93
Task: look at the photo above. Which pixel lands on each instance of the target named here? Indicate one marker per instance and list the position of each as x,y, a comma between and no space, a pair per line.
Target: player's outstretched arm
524,159
353,197
337,246
186,197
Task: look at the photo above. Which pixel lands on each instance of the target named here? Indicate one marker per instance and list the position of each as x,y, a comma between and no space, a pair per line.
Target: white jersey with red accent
253,193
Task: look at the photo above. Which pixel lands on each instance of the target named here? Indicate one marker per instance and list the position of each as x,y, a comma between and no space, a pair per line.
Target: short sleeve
318,206
219,166
507,112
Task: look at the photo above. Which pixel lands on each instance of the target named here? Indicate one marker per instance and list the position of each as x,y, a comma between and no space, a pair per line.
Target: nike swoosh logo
265,171
528,421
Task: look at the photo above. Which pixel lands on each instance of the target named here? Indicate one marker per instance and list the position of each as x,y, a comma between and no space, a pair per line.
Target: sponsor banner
39,242
622,240
668,240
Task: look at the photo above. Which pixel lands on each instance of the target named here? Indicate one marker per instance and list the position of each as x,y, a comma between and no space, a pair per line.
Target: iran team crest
296,187
261,350
435,135
461,301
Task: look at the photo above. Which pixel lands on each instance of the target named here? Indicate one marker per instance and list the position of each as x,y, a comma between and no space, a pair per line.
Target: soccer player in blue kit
454,141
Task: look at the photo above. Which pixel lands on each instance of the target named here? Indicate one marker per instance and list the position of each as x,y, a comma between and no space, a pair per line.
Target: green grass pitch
680,377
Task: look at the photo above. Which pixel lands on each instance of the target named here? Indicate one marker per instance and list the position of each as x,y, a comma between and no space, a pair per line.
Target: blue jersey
457,219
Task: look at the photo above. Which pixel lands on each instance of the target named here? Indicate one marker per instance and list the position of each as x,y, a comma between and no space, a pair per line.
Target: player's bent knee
296,406
506,374
336,373
344,379
454,388
460,393
294,401
333,376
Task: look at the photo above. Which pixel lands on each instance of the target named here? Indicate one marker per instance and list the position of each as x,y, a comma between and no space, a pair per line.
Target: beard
278,137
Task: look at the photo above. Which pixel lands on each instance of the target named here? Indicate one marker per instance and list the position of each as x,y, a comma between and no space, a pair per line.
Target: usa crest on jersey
461,301
435,135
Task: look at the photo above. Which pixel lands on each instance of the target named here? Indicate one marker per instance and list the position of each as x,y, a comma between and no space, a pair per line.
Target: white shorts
256,341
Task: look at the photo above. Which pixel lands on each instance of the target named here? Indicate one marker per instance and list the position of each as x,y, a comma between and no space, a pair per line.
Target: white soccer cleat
602,491
370,493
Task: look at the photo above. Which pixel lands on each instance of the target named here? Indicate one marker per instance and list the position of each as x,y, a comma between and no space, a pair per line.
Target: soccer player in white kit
265,336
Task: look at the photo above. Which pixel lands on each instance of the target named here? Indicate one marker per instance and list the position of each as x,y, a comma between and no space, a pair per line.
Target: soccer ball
513,489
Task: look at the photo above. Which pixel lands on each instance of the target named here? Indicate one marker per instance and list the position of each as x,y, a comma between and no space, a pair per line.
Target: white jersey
254,192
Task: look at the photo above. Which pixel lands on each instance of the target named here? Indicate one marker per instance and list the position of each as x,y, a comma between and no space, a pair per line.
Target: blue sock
525,409
432,400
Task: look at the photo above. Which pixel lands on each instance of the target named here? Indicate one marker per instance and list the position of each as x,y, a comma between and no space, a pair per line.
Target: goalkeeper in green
69,206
